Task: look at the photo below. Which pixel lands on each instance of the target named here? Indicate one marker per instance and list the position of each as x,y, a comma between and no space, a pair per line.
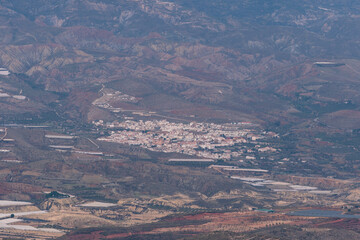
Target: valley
154,119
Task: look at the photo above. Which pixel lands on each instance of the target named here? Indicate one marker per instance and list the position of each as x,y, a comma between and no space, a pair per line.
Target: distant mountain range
215,60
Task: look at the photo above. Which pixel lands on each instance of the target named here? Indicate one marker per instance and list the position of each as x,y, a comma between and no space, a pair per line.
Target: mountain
286,72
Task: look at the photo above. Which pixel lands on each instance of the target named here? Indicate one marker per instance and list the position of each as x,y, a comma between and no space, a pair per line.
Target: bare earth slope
286,71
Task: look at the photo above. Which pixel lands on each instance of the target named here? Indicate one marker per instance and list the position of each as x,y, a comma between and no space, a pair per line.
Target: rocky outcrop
54,204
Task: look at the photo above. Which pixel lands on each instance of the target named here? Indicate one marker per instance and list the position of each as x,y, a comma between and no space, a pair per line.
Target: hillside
97,99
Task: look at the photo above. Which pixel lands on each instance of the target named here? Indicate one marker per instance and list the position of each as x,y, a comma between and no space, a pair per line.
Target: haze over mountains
205,52
221,60
286,72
